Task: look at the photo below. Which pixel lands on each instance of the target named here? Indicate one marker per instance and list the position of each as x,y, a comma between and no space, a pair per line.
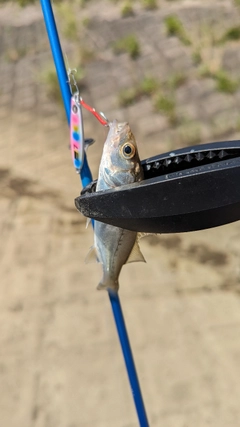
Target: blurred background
171,69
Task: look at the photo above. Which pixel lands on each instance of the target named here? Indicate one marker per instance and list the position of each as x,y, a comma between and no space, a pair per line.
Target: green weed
69,22
128,44
205,72
149,4
167,106
176,80
197,57
225,83
232,34
21,3
127,9
128,97
83,3
86,22
149,85
175,28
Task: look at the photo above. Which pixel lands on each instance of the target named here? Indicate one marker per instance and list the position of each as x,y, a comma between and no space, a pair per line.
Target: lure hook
100,116
76,96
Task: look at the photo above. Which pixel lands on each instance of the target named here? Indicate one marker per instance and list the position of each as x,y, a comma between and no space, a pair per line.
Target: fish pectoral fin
91,256
136,254
88,222
140,235
116,179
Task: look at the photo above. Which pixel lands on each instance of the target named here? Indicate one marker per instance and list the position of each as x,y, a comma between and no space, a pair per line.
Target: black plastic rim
191,189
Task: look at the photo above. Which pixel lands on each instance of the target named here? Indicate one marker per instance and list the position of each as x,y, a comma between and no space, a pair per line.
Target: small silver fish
119,165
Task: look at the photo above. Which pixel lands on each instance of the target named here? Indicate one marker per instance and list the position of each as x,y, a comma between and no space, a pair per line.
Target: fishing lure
76,133
78,144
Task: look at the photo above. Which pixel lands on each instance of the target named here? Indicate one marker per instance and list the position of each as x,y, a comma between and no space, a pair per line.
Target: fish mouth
121,126
118,127
118,133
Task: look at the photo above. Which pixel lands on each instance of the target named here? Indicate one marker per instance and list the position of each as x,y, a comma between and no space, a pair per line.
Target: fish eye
128,150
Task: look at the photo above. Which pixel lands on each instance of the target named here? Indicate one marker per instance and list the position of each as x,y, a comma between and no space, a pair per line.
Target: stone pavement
60,361
203,112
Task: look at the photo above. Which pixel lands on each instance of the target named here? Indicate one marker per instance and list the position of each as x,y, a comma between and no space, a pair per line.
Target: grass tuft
167,106
149,4
176,80
147,87
128,44
225,83
128,97
232,34
68,19
84,3
197,57
175,28
127,10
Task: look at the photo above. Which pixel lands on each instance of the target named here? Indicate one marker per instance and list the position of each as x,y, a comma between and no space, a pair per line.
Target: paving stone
231,60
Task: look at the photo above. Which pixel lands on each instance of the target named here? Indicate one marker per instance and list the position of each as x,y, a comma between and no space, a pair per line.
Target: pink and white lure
76,133
78,144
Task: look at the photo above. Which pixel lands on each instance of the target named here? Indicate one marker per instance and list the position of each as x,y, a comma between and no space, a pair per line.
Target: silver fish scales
120,165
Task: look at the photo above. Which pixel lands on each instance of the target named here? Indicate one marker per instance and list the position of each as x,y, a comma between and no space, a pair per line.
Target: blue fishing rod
86,178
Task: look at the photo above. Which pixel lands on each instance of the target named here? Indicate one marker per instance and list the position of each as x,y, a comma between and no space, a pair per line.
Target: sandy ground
60,359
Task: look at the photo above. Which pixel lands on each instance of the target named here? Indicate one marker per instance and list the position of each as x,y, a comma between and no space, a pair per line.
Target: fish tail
108,284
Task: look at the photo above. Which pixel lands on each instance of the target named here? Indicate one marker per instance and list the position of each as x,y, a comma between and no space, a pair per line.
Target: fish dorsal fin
136,255
91,256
